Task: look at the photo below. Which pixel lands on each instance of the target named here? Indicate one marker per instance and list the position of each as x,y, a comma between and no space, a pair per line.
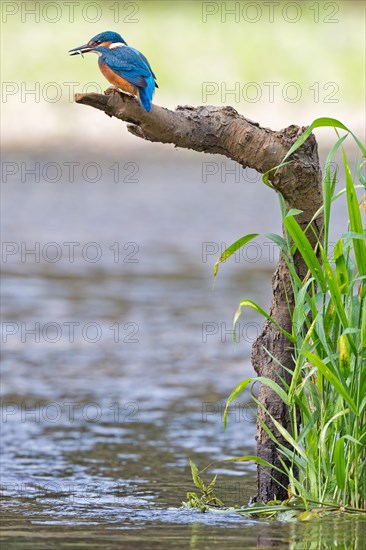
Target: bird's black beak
81,50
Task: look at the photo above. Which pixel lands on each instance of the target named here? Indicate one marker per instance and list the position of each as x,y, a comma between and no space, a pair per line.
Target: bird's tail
147,93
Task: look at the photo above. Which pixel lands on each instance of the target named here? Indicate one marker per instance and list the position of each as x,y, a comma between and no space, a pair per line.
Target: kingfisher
124,67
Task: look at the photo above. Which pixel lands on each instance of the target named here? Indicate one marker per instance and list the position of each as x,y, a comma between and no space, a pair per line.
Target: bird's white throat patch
116,45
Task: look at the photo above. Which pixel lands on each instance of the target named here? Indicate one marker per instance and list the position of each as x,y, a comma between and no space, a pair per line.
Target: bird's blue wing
146,61
129,64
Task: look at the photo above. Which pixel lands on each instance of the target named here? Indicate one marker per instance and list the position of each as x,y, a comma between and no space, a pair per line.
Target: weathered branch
222,130
216,130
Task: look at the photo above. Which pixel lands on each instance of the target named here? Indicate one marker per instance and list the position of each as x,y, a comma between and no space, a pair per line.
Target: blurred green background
319,46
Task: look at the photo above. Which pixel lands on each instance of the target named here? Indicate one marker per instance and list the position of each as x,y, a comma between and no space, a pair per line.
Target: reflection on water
117,359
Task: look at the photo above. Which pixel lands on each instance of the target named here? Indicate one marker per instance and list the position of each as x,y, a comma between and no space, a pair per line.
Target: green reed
326,397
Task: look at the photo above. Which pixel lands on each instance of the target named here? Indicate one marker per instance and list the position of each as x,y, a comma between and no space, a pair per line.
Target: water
118,359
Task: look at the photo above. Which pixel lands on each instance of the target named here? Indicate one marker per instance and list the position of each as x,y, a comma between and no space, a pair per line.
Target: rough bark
221,130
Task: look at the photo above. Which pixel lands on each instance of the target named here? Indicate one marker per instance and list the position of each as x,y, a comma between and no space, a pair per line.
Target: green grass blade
363,324
334,198
234,394
319,123
289,438
334,290
257,459
341,268
328,374
359,173
232,249
328,188
355,219
306,250
195,476
273,386
278,240
299,312
258,309
293,212
340,463
265,177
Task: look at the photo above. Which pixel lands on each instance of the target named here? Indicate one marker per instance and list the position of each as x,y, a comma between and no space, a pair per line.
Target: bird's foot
111,90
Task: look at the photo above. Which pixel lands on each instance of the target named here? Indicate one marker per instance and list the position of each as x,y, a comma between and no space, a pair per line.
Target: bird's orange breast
118,81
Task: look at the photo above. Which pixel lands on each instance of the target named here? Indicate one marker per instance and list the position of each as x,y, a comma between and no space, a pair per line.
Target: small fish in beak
80,50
